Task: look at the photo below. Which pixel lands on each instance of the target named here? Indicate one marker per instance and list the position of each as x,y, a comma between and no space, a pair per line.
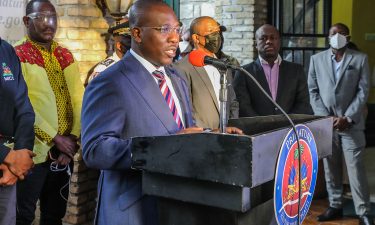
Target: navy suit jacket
16,113
123,102
292,92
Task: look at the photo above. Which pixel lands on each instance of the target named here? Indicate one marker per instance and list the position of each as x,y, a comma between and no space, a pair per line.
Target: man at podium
138,96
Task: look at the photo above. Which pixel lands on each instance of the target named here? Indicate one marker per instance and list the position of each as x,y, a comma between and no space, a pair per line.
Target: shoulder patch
107,62
27,53
64,57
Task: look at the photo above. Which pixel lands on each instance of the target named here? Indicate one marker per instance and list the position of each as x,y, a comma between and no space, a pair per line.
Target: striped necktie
167,94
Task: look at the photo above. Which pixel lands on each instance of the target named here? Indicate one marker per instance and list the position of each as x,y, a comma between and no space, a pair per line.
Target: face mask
337,41
183,45
213,42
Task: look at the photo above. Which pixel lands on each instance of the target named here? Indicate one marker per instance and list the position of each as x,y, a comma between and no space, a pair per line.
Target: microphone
199,58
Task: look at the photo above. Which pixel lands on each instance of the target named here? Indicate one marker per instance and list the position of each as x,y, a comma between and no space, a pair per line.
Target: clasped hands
68,147
15,166
341,123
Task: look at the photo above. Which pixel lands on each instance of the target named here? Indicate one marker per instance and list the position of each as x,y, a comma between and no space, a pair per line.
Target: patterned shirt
60,89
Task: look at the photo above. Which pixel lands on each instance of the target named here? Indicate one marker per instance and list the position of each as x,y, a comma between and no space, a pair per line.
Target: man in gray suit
339,84
204,82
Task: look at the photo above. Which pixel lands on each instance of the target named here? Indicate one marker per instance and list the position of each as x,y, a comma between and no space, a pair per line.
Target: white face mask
183,45
337,41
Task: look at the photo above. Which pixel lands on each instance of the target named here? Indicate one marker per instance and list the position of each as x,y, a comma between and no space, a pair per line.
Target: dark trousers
45,185
8,205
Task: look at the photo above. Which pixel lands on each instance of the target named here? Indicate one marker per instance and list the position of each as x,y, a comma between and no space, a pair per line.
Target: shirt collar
277,61
41,48
149,66
333,57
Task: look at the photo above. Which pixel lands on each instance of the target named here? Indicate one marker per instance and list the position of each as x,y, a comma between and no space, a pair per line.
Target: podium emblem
287,176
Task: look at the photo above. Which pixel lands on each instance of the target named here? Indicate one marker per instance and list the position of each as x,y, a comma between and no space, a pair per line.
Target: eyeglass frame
34,15
170,29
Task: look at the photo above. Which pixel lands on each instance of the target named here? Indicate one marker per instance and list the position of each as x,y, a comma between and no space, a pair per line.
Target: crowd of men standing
141,91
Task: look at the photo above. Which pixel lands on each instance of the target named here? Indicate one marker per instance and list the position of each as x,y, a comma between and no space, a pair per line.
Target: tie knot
158,75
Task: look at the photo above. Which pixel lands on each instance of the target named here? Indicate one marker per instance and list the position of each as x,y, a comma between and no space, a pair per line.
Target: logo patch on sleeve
7,73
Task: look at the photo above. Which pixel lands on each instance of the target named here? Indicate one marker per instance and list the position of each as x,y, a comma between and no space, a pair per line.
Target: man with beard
284,81
55,92
204,82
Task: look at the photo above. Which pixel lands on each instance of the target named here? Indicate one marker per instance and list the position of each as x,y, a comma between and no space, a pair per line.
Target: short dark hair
30,4
140,8
342,26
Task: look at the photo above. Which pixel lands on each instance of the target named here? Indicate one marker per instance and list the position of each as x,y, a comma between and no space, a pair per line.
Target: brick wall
241,17
80,28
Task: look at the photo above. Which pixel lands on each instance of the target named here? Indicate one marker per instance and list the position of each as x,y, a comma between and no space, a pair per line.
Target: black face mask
213,42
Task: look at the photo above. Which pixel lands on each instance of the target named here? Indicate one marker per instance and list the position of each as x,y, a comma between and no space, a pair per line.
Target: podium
220,179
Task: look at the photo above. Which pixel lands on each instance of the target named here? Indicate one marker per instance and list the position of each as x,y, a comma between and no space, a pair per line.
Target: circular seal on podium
286,189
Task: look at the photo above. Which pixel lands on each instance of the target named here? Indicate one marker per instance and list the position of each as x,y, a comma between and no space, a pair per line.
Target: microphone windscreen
196,58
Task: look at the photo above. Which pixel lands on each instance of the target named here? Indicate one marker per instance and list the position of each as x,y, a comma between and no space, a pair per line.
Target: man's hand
234,130
8,177
19,162
63,159
230,130
66,144
340,123
191,130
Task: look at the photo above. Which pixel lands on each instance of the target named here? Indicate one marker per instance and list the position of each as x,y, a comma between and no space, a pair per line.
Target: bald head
265,27
268,42
200,24
139,11
155,31
205,34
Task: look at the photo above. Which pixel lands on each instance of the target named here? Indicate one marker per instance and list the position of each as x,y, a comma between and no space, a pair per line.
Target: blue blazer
123,102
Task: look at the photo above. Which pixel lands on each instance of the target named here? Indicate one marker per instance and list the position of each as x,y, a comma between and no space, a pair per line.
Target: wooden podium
220,179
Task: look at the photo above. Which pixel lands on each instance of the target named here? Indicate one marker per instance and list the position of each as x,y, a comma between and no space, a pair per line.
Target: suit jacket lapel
282,85
328,64
347,58
146,86
201,72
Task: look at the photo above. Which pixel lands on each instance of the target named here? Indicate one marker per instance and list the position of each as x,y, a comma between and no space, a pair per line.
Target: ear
348,38
26,21
136,34
118,46
195,39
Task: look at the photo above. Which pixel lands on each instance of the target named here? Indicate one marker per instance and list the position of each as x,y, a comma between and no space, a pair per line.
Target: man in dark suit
204,82
16,131
284,81
133,98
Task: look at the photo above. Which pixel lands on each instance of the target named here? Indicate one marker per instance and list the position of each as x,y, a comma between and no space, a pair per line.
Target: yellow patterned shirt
60,89
55,91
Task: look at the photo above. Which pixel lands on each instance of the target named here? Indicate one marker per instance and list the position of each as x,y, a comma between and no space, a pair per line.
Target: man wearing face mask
204,82
122,38
339,86
55,91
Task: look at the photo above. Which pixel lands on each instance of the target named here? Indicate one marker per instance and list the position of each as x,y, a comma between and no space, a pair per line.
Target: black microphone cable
294,129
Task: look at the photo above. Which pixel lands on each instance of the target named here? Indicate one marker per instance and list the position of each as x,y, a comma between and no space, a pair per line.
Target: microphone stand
223,98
